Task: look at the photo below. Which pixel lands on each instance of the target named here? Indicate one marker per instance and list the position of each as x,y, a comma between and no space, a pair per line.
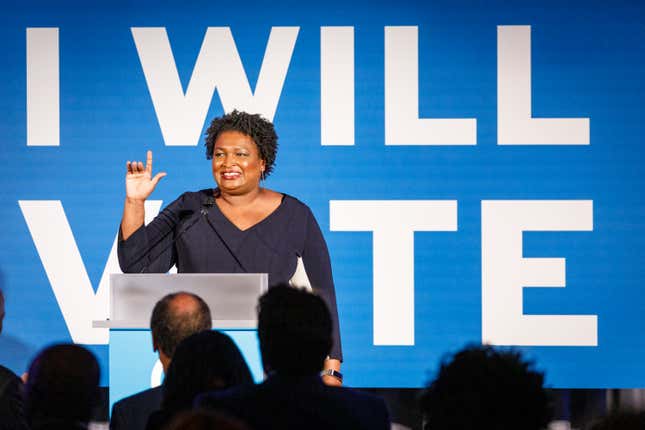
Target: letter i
43,87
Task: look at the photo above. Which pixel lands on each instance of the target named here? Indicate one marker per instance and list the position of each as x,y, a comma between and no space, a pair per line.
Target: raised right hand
139,183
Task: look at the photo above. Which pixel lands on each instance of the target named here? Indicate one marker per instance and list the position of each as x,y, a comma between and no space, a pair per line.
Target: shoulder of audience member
354,395
212,399
141,396
6,374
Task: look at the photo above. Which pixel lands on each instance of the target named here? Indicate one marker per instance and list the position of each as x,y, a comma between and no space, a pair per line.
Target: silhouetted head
62,386
295,331
177,316
205,361
485,388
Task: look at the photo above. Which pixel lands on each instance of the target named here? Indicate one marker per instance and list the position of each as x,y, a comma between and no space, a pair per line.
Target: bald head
177,316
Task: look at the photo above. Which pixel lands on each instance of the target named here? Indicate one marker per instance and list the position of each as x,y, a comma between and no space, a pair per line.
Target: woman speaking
237,227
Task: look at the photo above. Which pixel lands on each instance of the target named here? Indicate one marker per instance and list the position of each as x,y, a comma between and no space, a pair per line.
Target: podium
133,365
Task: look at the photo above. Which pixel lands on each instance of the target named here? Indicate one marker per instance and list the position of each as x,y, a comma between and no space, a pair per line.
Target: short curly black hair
254,126
488,388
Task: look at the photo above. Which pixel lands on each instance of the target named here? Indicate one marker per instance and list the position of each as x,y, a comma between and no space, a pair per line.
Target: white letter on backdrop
505,272
393,223
515,126
336,85
402,123
43,107
66,272
181,117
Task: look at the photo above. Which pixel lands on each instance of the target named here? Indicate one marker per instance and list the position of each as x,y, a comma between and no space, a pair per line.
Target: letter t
393,223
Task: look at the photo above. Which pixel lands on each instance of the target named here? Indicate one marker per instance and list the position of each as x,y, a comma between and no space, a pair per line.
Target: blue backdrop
586,61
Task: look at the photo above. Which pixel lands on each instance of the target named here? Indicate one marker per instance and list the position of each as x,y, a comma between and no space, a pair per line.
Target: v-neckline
246,230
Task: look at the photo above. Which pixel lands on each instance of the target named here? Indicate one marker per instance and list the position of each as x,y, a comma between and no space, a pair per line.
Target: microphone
207,203
210,202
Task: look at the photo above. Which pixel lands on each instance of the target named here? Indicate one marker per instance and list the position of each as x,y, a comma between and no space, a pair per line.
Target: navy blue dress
194,234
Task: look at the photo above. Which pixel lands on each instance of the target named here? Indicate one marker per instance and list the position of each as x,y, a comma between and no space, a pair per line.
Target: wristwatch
331,372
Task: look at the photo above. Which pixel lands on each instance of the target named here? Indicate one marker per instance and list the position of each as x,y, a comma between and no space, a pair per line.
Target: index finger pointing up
149,161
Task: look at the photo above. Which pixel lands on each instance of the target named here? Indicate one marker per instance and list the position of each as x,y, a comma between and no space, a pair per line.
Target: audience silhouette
205,361
175,317
295,334
204,420
62,388
486,388
11,404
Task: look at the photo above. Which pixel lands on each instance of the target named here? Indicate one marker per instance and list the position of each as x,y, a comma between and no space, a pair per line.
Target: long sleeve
151,248
317,264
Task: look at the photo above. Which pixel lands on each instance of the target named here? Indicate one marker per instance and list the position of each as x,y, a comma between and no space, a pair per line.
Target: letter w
181,117
66,272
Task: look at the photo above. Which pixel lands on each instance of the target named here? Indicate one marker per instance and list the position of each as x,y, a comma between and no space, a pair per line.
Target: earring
262,175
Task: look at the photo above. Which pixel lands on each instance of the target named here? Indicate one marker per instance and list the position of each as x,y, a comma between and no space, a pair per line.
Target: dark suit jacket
299,403
131,413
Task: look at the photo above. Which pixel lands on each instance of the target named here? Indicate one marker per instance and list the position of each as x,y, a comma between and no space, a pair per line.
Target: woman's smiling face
237,166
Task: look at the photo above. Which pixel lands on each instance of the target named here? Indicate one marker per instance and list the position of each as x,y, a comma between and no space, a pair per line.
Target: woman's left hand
332,381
